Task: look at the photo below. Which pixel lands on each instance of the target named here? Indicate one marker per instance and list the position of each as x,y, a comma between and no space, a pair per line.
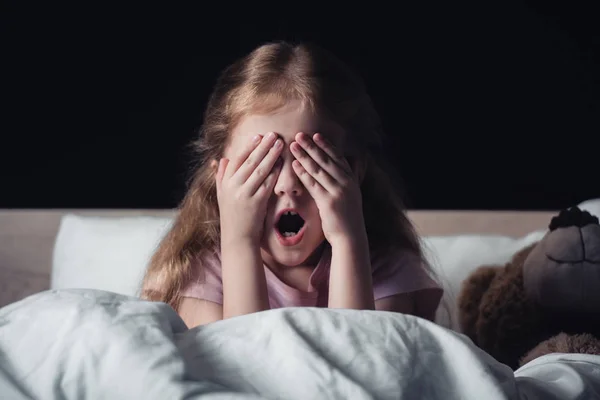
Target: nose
288,182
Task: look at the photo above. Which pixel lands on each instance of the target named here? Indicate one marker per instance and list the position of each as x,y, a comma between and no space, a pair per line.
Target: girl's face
288,249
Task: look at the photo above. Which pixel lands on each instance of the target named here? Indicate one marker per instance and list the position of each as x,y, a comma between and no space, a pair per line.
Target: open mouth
289,223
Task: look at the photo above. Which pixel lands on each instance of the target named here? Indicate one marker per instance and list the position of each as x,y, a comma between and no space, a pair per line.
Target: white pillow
591,206
453,258
105,253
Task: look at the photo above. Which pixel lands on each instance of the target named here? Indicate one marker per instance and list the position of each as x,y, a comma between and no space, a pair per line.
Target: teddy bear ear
573,216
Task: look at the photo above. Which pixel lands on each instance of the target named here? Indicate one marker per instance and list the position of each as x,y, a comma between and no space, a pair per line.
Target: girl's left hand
329,179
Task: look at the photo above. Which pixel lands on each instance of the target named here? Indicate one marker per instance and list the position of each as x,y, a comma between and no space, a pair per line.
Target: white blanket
85,344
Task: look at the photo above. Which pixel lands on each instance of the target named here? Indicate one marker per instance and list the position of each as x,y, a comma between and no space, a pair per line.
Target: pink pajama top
396,274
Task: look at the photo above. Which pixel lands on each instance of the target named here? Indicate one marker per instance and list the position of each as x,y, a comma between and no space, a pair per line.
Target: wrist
350,278
352,247
235,249
232,238
239,252
351,240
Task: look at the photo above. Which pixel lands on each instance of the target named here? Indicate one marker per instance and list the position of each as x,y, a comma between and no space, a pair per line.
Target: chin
285,259
292,256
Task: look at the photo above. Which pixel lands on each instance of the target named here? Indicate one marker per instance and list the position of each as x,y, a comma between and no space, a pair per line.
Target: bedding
93,344
90,252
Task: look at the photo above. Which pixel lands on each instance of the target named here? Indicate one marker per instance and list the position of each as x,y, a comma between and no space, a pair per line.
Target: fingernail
272,135
256,139
277,143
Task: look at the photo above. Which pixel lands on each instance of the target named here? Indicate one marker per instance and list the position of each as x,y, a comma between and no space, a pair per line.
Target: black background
488,106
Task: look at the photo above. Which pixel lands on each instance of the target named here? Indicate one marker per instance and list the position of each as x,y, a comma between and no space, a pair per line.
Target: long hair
262,82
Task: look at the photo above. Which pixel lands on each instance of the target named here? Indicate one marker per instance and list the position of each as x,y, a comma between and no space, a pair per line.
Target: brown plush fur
563,343
470,297
495,312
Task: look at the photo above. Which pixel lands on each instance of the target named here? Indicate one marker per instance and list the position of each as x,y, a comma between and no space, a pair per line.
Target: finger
313,168
268,184
323,159
332,152
255,158
263,169
313,187
235,164
220,173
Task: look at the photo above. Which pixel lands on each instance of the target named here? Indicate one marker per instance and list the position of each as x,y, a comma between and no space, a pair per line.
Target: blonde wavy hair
260,83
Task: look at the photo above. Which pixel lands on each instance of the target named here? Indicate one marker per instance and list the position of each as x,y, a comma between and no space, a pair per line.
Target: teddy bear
546,299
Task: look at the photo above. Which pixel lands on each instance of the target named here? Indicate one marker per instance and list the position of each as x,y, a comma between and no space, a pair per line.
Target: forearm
244,282
350,280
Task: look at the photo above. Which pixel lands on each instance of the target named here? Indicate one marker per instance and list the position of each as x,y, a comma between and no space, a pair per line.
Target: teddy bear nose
562,272
573,245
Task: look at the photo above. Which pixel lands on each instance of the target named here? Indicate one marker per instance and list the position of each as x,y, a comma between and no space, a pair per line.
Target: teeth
290,213
289,234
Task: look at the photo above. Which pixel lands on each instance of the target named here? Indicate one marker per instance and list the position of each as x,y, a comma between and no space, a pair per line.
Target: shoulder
394,261
204,280
401,271
206,264
402,281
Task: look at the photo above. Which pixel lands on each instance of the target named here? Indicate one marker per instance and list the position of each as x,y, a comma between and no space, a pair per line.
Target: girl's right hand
244,185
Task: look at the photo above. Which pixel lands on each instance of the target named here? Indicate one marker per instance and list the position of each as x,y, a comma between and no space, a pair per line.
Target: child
290,206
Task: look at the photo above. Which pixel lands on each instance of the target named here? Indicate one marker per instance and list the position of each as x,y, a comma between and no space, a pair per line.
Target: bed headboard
27,237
